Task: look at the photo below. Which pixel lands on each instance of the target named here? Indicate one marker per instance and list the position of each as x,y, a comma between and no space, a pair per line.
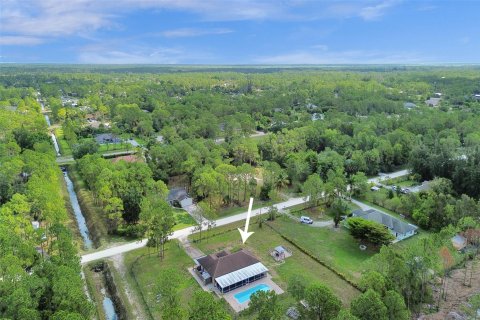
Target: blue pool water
244,296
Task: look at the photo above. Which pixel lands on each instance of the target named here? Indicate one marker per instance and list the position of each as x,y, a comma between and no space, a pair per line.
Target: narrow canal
54,138
107,303
82,224
108,307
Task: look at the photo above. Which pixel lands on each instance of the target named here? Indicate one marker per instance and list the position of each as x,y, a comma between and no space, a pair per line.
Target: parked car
307,220
405,190
374,188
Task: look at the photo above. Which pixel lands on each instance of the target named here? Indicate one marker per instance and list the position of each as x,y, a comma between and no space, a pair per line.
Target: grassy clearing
334,246
144,269
65,149
318,213
236,210
184,220
107,147
262,242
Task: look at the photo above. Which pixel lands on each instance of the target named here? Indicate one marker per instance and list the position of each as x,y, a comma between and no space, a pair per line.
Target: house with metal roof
228,271
179,196
400,229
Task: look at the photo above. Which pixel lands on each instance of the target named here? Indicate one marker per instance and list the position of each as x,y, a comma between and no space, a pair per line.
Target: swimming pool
244,296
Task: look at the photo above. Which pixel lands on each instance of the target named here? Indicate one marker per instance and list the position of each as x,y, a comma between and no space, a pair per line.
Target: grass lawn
236,210
65,149
334,246
318,213
107,147
184,220
146,268
262,242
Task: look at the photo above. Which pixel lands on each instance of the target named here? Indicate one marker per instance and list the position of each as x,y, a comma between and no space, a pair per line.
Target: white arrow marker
245,234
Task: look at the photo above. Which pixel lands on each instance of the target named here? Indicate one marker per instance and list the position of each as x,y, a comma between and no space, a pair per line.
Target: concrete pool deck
237,307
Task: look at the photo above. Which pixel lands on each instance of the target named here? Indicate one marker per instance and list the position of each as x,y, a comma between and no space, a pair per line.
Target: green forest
226,134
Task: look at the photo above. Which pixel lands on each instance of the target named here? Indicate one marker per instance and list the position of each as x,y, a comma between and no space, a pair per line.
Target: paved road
68,159
391,175
184,232
220,222
315,224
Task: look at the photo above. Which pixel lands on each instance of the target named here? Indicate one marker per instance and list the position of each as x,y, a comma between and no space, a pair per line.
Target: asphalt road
220,222
184,232
391,175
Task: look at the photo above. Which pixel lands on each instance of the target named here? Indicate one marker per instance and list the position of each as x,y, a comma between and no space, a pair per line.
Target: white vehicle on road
307,220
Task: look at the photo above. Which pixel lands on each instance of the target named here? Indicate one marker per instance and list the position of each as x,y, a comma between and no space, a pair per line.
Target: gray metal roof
280,249
387,220
241,274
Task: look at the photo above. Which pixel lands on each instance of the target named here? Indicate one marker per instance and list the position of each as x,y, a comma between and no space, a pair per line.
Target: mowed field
334,246
145,268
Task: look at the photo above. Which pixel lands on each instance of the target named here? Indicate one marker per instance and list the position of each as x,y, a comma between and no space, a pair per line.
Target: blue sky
239,31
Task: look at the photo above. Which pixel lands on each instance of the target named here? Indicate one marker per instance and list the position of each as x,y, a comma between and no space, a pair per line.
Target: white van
307,220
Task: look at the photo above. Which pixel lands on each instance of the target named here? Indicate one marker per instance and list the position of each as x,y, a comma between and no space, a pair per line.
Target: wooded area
227,135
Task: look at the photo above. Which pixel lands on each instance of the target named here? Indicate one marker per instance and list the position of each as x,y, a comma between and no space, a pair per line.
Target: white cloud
366,9
54,18
343,57
320,47
116,51
192,32
376,11
153,56
19,40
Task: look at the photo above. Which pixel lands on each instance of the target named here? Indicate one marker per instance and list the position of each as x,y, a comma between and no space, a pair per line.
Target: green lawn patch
318,213
144,268
336,247
184,220
236,210
108,147
63,145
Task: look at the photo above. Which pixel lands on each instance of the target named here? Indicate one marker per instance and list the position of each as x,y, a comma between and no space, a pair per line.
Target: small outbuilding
280,253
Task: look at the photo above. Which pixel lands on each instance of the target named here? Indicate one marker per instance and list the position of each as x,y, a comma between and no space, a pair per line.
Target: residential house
399,229
179,197
228,271
107,138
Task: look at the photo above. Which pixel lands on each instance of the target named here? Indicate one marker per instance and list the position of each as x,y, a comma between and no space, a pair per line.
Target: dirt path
457,292
192,251
136,306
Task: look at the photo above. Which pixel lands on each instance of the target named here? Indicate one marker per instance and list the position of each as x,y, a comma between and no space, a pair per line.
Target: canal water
109,309
54,139
82,224
107,302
